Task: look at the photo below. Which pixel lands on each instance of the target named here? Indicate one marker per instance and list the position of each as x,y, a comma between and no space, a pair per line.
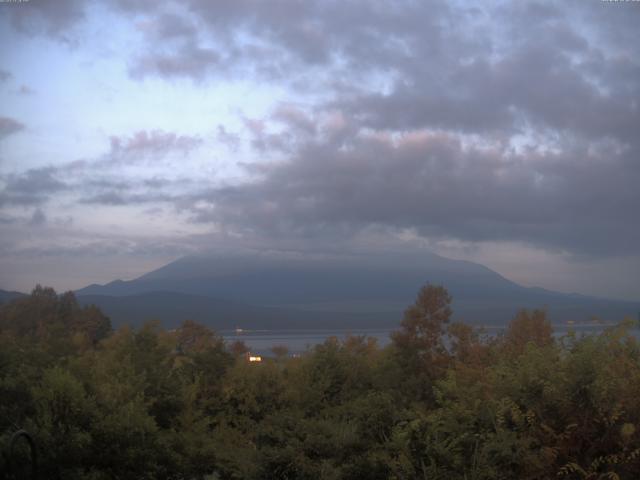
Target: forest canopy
442,400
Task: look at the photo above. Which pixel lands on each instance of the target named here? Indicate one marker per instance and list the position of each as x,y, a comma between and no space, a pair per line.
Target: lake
260,342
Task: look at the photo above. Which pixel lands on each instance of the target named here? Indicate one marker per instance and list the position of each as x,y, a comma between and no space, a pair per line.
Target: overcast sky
506,133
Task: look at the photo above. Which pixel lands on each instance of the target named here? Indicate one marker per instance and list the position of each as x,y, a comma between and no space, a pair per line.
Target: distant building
254,358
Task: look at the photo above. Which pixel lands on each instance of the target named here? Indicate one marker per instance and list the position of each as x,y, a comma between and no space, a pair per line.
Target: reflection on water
298,341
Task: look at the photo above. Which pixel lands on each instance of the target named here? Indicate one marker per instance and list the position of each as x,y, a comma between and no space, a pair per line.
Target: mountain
269,292
6,296
275,282
171,308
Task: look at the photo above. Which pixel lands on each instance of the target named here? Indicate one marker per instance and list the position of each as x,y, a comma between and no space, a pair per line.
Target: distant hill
7,296
266,292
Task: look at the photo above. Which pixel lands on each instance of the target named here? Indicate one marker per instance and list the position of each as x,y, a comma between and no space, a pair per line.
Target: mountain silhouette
262,291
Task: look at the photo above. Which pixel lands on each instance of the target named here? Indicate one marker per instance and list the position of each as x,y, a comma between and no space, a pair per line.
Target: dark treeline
440,402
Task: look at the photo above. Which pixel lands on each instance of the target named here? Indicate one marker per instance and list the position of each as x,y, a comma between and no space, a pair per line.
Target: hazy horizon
135,133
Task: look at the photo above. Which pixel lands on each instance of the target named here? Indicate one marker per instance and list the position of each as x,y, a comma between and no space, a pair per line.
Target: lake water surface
260,342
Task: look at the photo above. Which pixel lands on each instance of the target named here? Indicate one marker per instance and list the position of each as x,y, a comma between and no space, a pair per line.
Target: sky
505,133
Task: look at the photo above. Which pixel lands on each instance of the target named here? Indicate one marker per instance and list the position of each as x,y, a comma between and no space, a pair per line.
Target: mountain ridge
269,292
352,290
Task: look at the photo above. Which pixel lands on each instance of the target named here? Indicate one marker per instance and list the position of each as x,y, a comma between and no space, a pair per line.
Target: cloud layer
487,122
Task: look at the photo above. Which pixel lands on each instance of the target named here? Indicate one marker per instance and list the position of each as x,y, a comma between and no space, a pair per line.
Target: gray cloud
8,126
126,198
439,187
488,69
534,87
100,180
169,26
278,39
231,140
38,218
154,142
26,90
4,75
499,121
32,187
187,60
54,19
78,243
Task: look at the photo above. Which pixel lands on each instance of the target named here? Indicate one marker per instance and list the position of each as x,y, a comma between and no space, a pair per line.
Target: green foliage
440,402
419,344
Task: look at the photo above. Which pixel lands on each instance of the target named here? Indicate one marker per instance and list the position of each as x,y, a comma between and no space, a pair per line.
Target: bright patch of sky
84,95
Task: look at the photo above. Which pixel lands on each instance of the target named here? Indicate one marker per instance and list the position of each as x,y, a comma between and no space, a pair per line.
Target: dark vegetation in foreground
440,402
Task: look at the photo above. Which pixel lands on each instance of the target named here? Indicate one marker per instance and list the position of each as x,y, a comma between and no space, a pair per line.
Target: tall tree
419,342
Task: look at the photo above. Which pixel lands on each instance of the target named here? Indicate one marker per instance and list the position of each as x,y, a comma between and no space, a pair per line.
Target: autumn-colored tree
280,351
419,342
192,337
47,317
528,327
151,403
238,348
423,324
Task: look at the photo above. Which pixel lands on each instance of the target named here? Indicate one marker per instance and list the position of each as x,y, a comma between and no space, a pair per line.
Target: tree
423,323
419,342
192,337
528,327
238,348
280,351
